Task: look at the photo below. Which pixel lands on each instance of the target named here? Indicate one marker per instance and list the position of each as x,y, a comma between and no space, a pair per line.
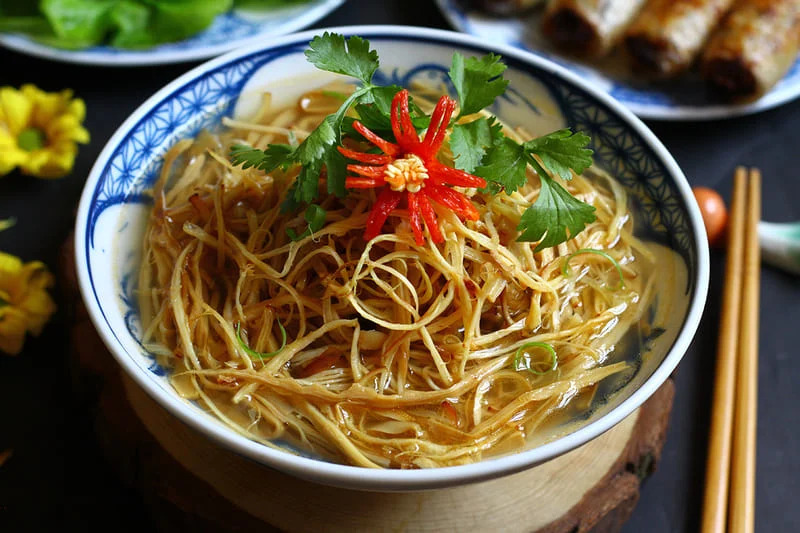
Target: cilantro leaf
351,57
336,169
561,151
274,156
315,216
470,142
554,212
318,142
505,165
382,98
478,81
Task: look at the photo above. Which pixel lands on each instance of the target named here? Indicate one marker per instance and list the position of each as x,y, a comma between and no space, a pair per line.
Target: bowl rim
384,479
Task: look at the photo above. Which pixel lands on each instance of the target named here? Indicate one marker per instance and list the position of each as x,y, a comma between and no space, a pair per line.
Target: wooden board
187,481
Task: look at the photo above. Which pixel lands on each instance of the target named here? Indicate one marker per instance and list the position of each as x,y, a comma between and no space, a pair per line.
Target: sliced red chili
367,171
453,176
429,215
402,127
363,157
386,203
363,183
433,141
453,200
388,148
414,218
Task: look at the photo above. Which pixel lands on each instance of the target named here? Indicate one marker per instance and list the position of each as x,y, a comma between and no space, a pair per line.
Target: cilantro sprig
556,216
479,146
330,52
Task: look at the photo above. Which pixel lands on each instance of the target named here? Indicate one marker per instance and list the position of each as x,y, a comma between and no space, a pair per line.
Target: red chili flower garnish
410,168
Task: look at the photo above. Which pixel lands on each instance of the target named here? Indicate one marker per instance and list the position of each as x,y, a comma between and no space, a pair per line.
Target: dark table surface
56,471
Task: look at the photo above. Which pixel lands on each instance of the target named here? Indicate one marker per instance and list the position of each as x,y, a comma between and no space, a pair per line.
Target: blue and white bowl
541,95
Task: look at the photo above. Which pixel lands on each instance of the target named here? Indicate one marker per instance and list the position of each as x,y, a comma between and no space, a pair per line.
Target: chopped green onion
565,267
518,360
315,216
260,355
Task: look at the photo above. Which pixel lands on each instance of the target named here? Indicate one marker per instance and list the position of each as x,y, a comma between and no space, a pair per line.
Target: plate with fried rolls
664,59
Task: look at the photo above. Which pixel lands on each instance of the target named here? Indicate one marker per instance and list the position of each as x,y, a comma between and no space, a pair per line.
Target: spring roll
668,35
754,48
588,27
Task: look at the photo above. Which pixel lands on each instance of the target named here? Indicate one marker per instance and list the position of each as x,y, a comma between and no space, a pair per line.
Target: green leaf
555,217
33,26
127,23
78,23
470,142
315,216
505,164
132,20
174,20
276,155
336,168
478,81
306,187
561,151
312,153
382,98
351,57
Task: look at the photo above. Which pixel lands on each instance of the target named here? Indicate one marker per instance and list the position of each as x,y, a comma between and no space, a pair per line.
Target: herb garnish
566,271
479,147
524,363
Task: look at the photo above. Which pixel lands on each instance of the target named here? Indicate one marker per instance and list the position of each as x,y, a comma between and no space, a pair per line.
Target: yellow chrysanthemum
25,305
39,131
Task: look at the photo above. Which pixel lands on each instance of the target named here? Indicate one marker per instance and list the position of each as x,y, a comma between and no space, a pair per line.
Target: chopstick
742,491
730,467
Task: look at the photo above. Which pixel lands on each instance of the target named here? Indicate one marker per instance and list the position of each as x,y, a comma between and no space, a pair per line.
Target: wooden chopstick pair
731,464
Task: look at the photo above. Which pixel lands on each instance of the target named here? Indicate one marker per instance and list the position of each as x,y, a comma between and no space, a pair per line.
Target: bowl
541,95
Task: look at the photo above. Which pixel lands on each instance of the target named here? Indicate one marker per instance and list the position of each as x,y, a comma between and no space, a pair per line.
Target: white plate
236,28
684,99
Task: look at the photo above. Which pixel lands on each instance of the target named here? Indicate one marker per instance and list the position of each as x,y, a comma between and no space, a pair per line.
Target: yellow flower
25,305
39,131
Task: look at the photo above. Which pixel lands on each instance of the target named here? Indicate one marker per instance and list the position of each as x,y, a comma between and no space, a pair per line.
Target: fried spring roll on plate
588,27
754,48
668,34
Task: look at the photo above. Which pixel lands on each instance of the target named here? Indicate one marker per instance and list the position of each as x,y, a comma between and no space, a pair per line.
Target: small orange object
715,214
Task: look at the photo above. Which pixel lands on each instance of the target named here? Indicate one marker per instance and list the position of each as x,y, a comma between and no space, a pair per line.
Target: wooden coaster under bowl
188,481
